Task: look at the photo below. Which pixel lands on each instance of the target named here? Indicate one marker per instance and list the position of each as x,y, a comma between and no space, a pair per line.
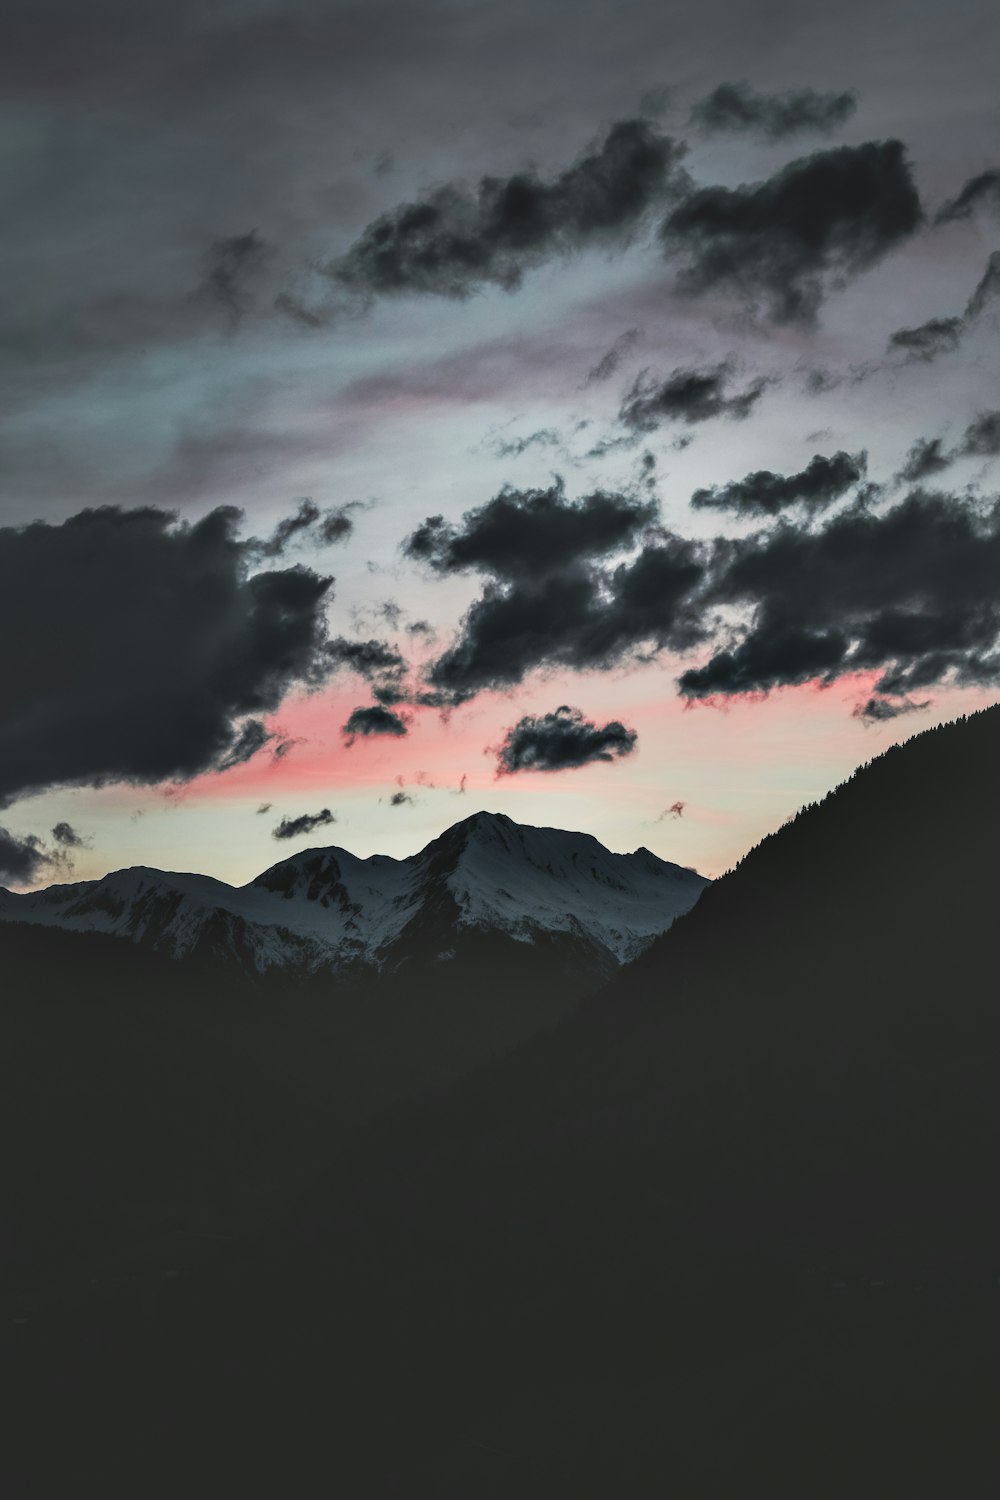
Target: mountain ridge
326,908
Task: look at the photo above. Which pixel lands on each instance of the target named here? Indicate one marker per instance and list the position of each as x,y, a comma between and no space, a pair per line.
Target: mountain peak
484,820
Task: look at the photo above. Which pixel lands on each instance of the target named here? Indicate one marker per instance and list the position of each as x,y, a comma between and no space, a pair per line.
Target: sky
587,412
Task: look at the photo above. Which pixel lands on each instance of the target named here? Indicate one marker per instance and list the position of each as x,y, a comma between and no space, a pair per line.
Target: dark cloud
983,189
294,828
737,108
987,289
545,437
373,721
982,436
818,382
584,616
66,835
287,529
609,363
252,736
913,591
308,523
561,740
926,342
231,266
942,335
688,396
529,533
378,662
614,444
335,524
22,860
881,710
457,239
926,458
371,659
818,222
144,645
400,799
265,807
282,746
819,484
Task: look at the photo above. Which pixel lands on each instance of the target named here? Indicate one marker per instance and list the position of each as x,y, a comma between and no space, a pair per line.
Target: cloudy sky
584,411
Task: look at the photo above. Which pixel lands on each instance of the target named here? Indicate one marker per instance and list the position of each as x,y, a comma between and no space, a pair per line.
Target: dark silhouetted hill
730,1229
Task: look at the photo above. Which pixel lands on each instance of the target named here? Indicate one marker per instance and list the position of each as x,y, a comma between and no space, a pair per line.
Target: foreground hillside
732,1228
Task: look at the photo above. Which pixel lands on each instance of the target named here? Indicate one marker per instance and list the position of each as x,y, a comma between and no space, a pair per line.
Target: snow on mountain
326,908
565,882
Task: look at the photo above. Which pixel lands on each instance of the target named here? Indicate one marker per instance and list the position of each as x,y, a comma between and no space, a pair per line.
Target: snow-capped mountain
326,909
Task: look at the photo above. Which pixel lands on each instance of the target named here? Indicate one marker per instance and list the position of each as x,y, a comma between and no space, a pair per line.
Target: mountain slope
731,1228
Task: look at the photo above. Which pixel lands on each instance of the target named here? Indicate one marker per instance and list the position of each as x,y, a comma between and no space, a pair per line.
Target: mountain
730,1228
325,910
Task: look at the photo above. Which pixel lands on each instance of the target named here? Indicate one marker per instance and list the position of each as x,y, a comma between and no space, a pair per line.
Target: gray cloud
928,340
688,395
987,289
22,860
981,438
782,243
819,484
295,828
943,335
561,741
544,437
376,720
926,458
983,189
609,363
308,523
912,591
737,108
529,533
882,710
66,835
143,646
584,616
231,267
377,661
457,239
